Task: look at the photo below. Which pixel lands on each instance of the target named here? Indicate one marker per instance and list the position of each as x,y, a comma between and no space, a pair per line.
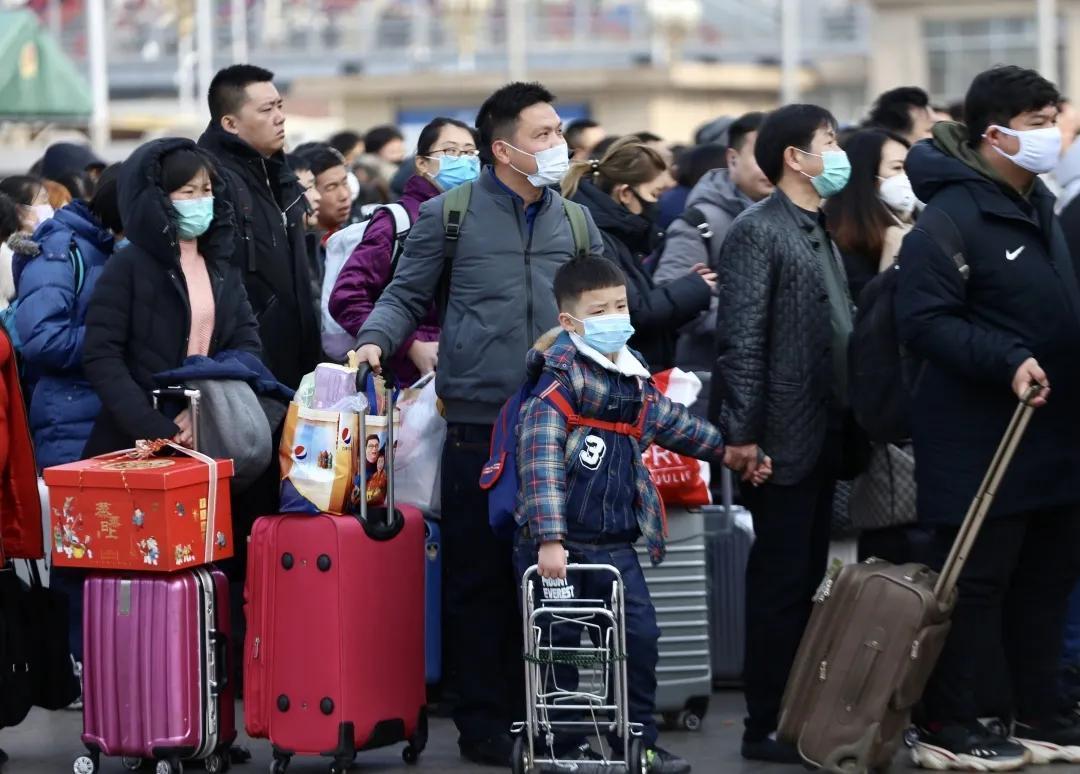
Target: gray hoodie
721,202
500,298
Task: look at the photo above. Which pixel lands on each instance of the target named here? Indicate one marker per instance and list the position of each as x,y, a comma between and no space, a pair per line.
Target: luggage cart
591,639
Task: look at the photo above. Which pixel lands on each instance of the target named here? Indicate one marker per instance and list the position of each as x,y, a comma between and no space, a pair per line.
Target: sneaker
1055,742
967,748
77,705
660,761
771,750
494,751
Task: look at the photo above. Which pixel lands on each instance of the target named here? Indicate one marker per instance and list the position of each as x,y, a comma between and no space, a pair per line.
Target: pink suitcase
155,670
334,654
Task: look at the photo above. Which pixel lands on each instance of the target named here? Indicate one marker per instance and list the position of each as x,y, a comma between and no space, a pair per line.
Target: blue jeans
642,632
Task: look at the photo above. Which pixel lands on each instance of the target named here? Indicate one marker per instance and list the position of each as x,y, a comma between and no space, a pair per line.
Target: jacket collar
495,187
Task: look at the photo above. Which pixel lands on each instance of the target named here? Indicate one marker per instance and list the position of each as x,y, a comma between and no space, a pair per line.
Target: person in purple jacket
446,157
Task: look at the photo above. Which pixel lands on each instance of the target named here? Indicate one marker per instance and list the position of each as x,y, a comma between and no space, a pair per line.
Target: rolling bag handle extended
984,499
392,522
193,399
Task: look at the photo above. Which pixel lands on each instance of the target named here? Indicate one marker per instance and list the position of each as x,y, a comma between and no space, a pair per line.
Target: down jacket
773,379
51,320
139,316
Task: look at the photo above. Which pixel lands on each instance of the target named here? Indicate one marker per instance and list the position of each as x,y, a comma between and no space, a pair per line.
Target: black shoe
494,751
663,762
970,747
771,750
1055,742
238,754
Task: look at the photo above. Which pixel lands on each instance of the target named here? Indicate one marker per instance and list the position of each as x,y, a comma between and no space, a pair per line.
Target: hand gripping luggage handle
393,522
193,398
984,498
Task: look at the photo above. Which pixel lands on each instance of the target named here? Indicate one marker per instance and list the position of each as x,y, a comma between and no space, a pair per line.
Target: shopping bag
681,480
419,445
318,456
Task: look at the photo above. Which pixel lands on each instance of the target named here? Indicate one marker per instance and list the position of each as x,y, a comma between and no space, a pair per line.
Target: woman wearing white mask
869,218
32,202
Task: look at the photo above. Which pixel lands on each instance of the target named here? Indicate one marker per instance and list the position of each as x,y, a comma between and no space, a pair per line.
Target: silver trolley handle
193,399
382,523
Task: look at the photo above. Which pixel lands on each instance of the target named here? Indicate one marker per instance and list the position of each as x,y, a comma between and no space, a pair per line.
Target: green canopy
37,80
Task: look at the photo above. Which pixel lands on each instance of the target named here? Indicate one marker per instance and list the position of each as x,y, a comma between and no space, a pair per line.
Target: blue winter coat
51,321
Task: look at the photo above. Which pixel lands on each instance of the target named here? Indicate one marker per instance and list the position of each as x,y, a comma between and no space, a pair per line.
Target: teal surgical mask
606,333
193,216
456,171
835,172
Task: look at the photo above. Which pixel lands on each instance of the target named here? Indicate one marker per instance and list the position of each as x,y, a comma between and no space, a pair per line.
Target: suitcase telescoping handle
984,498
193,399
383,523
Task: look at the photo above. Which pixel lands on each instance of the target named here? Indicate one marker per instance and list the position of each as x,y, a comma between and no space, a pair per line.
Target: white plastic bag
418,459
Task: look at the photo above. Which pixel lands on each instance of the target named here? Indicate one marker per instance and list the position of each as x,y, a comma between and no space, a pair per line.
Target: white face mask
43,212
551,165
1040,149
897,195
354,186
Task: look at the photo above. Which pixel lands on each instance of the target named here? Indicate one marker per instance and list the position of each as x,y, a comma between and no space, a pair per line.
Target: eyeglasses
456,153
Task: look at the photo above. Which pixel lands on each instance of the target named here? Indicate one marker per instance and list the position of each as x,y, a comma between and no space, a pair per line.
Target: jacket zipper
270,190
528,284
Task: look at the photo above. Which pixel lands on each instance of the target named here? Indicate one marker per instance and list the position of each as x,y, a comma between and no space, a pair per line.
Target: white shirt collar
625,363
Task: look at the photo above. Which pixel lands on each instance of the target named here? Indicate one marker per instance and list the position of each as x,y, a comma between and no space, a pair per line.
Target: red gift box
134,511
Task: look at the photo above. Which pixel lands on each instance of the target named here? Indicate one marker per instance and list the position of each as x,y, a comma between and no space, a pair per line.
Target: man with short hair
493,284
983,335
247,137
387,143
906,111
784,317
349,144
582,136
697,236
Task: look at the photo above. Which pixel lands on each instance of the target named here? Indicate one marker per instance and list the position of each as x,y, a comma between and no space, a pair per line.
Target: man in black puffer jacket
247,136
779,386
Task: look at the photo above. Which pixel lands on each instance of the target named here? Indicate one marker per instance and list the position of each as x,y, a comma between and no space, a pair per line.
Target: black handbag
55,684
16,679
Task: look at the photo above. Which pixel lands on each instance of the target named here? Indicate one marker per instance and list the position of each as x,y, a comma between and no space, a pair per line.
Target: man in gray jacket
695,237
495,292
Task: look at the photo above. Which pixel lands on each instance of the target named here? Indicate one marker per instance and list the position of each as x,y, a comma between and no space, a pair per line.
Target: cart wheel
214,763
636,761
169,767
689,721
131,764
279,765
84,764
339,767
519,758
410,755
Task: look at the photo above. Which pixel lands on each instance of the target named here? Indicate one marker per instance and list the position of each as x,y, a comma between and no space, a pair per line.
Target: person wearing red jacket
21,535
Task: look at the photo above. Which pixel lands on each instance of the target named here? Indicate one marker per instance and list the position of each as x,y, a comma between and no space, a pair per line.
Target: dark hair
700,159
78,184
956,110
499,114
429,135
648,137
582,274
575,129
319,157
857,218
605,144
1000,94
10,222
181,165
379,137
298,162
627,162
742,127
22,189
373,436
787,127
892,110
344,142
227,91
106,202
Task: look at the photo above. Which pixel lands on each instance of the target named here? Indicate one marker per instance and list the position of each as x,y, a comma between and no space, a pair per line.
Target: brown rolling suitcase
874,636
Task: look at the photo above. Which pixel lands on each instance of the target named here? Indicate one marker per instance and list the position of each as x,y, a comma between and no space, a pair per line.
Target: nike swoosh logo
1012,255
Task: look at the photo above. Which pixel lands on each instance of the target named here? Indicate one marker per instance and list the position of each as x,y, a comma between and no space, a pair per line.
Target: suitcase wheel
687,720
410,755
85,764
279,765
169,767
215,763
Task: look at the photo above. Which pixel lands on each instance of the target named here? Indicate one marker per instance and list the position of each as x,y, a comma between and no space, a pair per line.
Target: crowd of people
748,258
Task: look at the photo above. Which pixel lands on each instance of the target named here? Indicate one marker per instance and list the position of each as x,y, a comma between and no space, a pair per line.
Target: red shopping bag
681,480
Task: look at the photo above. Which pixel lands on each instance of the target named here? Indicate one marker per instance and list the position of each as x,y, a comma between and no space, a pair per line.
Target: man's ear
500,151
230,124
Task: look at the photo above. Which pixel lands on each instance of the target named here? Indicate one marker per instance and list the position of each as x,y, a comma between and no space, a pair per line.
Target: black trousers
786,565
482,638
1004,650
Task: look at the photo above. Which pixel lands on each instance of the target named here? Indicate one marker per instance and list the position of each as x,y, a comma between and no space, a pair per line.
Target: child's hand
552,561
763,473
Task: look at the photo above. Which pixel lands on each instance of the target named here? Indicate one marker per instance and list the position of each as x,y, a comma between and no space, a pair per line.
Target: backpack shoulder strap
402,226
579,226
940,227
455,205
554,393
78,266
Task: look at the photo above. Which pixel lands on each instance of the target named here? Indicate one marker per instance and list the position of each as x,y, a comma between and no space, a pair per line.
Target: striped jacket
545,448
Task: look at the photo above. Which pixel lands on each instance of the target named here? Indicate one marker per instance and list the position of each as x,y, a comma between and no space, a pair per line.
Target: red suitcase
334,652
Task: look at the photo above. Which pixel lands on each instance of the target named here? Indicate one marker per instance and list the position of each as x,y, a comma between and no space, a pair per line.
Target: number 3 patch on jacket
593,453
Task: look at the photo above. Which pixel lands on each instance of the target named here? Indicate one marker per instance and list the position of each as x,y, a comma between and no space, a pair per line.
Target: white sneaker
1059,743
77,705
967,748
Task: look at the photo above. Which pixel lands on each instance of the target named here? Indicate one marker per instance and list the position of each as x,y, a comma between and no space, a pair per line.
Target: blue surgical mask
456,171
606,333
193,216
835,172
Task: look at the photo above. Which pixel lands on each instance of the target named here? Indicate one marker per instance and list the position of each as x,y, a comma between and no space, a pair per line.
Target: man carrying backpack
983,331
488,252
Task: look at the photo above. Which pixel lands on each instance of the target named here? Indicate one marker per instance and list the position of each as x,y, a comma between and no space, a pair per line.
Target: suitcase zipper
255,666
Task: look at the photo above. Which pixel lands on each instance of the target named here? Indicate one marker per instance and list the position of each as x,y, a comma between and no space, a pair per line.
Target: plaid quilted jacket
545,447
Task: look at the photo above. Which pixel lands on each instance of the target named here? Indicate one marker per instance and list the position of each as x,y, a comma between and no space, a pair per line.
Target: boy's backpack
336,341
499,476
880,372
7,315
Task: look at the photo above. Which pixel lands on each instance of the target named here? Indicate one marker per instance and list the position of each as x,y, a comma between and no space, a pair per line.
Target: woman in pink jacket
446,156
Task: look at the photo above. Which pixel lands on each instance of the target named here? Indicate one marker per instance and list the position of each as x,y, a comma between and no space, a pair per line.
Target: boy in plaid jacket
585,493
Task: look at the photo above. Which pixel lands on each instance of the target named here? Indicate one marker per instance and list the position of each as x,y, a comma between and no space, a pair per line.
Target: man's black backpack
880,372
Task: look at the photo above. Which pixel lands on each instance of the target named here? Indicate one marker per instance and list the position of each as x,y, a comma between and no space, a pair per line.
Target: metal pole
789,52
204,26
239,31
1046,11
517,40
99,75
185,76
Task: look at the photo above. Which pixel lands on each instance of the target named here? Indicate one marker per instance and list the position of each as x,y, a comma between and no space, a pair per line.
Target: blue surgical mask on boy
456,171
193,216
606,333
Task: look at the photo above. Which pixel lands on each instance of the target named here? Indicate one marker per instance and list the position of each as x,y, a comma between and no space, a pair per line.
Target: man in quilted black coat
779,387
